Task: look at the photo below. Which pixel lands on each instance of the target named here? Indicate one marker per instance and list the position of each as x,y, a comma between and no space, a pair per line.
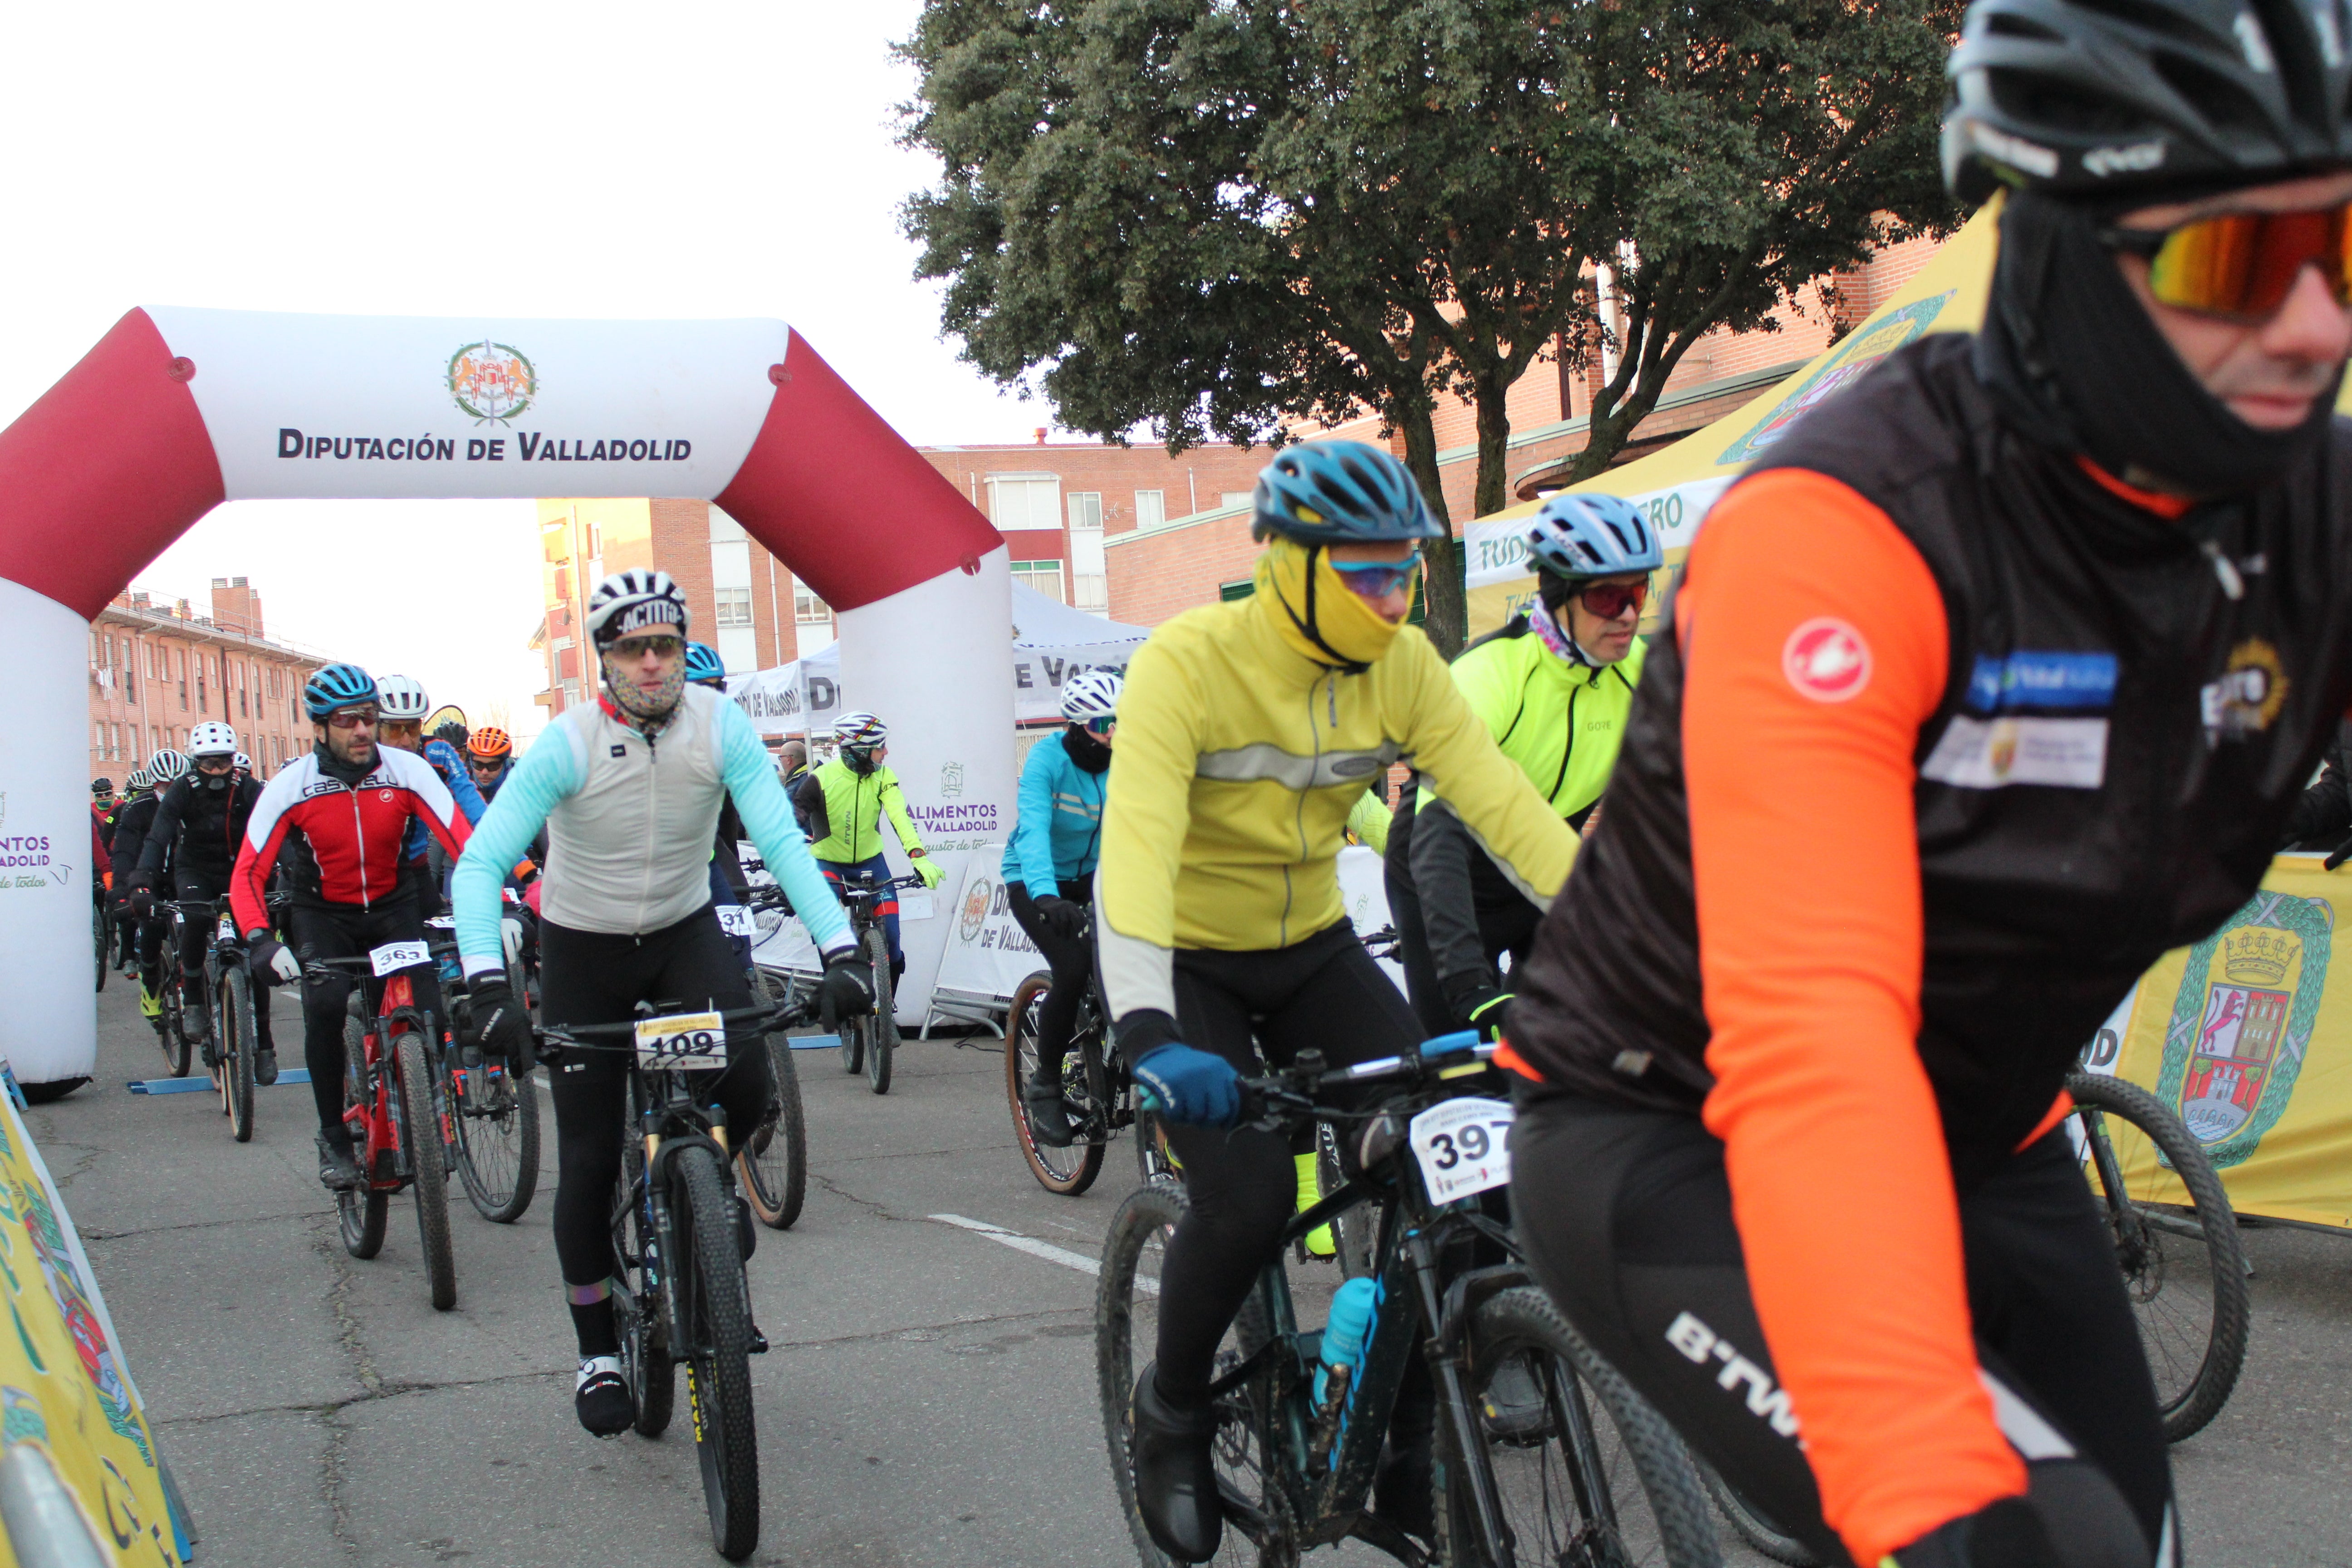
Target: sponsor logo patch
1826,660
2031,678
1993,754
2251,691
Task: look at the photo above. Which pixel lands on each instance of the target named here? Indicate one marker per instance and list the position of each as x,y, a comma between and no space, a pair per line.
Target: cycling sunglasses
1377,579
2242,264
351,718
216,764
1611,600
637,647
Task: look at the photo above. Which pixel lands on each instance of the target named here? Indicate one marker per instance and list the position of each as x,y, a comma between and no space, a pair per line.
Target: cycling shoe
601,1397
338,1170
1049,1114
1175,1473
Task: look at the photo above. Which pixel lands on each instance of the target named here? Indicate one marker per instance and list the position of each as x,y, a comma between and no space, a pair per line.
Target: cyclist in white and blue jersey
629,790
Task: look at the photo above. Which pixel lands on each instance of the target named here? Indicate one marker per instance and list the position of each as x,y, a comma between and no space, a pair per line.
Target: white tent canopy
1051,643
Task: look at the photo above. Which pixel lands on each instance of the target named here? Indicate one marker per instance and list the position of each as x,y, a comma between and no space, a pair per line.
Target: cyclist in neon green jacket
842,806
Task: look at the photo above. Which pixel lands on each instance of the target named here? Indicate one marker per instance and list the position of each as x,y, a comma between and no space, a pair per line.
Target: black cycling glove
846,989
1062,917
500,1023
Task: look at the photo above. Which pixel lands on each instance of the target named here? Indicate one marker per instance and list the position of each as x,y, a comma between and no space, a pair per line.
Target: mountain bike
492,1108
1095,1083
869,1038
682,1295
2184,1268
400,1128
237,1018
1542,1455
171,995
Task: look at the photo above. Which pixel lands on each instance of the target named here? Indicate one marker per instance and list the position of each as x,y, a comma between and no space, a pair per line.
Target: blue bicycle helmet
703,667
1340,492
337,686
1591,535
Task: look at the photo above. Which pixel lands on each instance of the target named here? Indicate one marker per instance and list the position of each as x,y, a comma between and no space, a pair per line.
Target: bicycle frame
380,1118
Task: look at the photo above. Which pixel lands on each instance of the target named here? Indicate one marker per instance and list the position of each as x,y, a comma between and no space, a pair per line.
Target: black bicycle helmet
2079,98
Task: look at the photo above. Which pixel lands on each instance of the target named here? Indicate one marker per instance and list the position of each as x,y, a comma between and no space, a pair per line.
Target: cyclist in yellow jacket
842,805
1247,730
1556,686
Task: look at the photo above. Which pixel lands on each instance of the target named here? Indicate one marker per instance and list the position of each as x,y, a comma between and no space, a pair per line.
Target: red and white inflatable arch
178,410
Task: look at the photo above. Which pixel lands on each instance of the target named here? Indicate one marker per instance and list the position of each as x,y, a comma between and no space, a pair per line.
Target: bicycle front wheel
428,1164
715,1315
495,1115
1583,1470
1259,1529
1067,1172
2177,1240
236,1048
774,1160
178,1051
882,1030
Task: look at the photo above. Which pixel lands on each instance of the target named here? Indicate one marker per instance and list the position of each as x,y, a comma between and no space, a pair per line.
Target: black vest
2052,879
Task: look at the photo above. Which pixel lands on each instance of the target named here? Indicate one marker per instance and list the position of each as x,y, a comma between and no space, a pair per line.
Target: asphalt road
929,1399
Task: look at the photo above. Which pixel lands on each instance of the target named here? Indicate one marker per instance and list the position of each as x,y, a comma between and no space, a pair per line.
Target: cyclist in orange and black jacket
1997,680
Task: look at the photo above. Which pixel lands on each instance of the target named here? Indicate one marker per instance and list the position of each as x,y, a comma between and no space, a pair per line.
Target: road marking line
1035,1248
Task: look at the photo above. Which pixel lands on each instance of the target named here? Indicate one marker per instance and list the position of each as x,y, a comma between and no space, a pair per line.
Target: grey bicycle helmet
2080,98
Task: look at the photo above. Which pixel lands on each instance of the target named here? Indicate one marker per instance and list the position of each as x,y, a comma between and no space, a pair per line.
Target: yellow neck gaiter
1307,607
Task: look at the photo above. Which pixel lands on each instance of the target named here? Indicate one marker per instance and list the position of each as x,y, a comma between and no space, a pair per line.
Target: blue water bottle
1346,1336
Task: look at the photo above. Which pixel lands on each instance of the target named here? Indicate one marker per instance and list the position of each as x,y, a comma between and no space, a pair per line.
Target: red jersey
353,831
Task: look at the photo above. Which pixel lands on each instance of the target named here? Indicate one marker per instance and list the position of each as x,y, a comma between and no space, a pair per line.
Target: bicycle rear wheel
98,924
1259,1529
2177,1240
234,1008
1070,1171
774,1160
1584,1470
495,1115
715,1315
428,1164
178,1050
882,1033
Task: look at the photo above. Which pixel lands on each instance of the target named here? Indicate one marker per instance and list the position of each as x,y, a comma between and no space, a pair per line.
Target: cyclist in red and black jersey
1999,679
347,808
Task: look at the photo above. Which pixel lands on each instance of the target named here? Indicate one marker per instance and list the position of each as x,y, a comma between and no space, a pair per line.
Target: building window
807,608
1089,577
734,607
1151,508
1027,500
1043,577
1239,497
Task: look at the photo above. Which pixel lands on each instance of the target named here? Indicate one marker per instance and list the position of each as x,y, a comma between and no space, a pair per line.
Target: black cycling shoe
1049,1114
1513,1405
338,1168
756,1344
601,1397
1170,1451
265,1066
747,1230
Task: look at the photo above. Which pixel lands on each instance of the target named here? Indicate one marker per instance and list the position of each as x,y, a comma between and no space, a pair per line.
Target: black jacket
127,849
200,828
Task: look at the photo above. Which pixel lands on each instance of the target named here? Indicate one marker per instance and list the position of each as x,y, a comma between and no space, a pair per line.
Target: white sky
527,159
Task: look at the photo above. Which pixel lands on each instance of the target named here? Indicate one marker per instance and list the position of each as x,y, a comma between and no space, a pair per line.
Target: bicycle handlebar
1295,1092
591,1037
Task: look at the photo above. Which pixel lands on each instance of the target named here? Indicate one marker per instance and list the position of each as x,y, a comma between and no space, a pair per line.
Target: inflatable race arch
175,411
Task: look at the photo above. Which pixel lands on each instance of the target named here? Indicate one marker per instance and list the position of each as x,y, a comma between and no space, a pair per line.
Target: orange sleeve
1815,647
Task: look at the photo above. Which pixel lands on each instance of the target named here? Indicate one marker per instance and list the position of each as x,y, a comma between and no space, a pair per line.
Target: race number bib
226,930
736,920
682,1041
442,923
395,955
1464,1147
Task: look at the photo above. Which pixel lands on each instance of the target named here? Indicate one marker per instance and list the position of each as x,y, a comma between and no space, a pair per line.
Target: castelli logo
1826,660
385,795
491,381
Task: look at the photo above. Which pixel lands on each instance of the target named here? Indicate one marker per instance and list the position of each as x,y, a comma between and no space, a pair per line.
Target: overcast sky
528,159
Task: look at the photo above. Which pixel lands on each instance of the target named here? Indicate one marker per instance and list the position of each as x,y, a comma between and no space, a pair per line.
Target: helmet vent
2220,101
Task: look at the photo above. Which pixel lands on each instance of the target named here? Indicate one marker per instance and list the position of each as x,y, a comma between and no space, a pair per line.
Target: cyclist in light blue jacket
1049,867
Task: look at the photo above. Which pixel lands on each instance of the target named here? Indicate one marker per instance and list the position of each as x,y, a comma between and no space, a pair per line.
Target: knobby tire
882,1033
428,1160
717,1309
1067,1172
236,1023
641,1318
365,1211
774,1162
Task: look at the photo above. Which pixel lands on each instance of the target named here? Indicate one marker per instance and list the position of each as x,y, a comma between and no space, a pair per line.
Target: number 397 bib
1463,1146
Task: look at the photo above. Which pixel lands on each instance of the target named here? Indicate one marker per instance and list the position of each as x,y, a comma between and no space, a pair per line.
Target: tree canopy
1204,219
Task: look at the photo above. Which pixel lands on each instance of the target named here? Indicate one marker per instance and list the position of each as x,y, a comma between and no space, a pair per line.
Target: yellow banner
2247,1039
63,1387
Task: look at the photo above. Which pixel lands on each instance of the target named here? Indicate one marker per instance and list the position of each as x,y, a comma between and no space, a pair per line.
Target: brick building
156,672
1191,561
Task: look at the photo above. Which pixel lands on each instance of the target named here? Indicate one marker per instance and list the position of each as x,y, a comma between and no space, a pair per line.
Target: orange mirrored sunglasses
2242,264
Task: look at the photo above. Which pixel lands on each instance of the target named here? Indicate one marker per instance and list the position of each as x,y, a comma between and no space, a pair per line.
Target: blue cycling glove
1190,1087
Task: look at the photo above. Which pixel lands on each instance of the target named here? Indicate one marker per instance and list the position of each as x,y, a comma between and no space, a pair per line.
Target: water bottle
1347,1335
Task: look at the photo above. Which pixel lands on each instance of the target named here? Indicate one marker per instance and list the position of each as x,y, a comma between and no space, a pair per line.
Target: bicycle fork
1446,1365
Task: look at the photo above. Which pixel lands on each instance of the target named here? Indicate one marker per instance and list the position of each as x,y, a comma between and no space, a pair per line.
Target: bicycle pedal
757,1344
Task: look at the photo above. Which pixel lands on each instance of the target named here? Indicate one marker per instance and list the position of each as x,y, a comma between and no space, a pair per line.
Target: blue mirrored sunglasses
1377,579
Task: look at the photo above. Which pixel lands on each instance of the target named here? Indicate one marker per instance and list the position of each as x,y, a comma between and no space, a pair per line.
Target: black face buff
2079,366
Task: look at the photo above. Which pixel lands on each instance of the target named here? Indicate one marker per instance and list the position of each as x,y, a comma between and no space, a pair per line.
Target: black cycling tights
1626,1217
346,931
592,977
1071,959
1325,994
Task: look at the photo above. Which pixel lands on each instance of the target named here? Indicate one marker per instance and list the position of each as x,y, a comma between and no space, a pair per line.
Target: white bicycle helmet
859,729
1588,535
244,764
166,765
630,601
138,779
400,699
1092,696
213,738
